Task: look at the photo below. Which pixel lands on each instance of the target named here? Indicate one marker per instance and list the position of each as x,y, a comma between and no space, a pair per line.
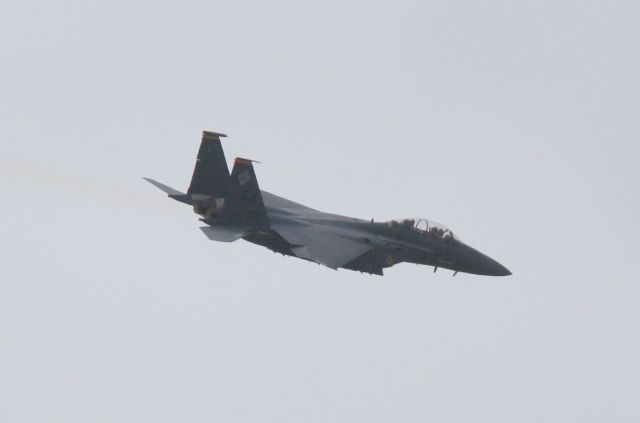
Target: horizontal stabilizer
173,193
224,233
163,187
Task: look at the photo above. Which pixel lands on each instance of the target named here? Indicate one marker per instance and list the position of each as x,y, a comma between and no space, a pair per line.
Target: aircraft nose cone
490,267
493,268
481,264
500,270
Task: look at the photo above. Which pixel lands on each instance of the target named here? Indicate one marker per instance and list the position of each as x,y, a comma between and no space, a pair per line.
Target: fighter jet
233,207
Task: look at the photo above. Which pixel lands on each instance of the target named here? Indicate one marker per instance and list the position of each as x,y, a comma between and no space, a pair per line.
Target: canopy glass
426,227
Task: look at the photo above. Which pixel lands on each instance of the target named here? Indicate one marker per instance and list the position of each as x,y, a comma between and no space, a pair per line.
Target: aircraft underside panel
374,262
224,234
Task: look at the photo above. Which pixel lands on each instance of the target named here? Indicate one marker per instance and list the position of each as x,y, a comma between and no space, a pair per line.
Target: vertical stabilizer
211,174
244,205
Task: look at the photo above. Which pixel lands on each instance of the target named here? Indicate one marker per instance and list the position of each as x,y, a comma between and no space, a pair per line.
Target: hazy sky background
514,123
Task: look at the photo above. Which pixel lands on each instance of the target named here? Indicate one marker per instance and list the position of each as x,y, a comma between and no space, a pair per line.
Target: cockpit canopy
427,228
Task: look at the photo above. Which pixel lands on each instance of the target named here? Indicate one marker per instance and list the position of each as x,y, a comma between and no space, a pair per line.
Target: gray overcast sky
515,123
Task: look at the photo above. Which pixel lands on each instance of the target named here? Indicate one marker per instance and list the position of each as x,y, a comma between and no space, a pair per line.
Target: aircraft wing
317,243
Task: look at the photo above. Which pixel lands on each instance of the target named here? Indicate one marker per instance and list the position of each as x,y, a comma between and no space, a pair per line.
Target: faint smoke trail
77,184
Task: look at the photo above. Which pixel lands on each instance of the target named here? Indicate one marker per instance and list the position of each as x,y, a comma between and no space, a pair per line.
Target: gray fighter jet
233,206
